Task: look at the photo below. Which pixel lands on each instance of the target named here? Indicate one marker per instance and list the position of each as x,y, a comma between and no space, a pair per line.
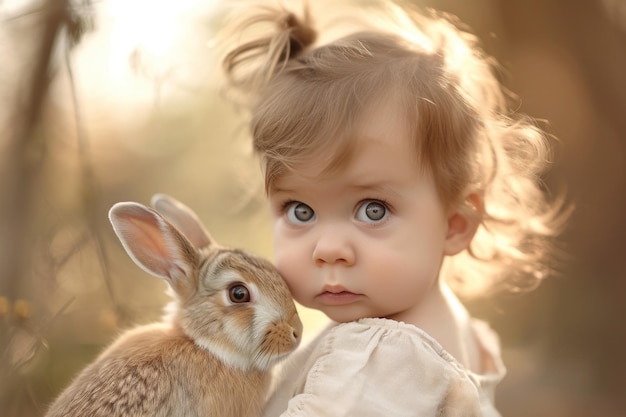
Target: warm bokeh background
111,100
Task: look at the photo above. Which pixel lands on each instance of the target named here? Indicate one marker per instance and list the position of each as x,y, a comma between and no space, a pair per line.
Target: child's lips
337,295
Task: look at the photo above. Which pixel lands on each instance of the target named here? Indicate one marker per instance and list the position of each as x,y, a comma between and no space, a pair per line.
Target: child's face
367,240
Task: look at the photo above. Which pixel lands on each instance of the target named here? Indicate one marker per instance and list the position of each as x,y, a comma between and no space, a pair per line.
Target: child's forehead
379,151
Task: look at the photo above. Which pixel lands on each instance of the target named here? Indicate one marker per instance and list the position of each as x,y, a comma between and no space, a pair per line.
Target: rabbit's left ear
155,245
184,219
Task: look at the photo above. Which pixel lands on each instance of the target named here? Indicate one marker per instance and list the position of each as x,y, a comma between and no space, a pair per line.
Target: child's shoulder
372,365
369,337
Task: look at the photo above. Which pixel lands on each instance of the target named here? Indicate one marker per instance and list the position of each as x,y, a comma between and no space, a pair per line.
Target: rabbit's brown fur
149,360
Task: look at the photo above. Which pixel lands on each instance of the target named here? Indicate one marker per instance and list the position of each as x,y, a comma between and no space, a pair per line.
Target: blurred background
112,100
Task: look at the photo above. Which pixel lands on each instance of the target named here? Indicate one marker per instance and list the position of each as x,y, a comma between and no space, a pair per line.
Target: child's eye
371,211
298,213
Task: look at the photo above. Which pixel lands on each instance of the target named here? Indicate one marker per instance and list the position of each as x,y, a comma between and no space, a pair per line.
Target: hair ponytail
250,65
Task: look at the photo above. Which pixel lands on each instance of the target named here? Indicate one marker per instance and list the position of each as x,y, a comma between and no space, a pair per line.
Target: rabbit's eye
239,294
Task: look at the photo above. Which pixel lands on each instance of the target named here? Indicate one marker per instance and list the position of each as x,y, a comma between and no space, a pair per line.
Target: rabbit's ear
183,218
155,245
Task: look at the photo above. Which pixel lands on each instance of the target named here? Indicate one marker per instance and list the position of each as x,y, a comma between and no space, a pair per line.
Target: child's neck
443,316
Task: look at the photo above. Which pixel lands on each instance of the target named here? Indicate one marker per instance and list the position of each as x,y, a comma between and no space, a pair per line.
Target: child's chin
344,316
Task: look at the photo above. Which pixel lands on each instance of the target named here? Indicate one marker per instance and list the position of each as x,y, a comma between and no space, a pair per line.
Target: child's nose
333,246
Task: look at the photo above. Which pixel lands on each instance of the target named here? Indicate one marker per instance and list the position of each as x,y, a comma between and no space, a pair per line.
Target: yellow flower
23,309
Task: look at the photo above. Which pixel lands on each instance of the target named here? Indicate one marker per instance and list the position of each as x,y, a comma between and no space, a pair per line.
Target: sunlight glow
151,25
138,47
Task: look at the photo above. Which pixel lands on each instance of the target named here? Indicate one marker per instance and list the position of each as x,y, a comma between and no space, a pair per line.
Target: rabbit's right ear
155,245
183,218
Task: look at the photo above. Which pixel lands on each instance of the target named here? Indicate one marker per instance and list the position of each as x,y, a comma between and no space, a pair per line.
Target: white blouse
381,367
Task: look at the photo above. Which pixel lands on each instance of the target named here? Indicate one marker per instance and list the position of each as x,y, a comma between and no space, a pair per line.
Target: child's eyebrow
280,190
376,187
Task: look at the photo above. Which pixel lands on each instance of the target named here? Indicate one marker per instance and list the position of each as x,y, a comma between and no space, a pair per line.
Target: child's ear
462,224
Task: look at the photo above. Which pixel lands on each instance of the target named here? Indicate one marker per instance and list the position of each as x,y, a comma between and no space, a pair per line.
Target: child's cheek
286,261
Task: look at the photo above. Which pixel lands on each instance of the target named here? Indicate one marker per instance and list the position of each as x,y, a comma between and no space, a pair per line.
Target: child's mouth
337,297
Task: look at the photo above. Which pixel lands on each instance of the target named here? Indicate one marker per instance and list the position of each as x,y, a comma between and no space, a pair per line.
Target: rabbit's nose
296,326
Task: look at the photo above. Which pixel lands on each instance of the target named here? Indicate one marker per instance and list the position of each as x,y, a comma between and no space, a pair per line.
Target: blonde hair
305,97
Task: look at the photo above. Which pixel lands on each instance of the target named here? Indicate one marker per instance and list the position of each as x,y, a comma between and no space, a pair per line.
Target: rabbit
231,319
